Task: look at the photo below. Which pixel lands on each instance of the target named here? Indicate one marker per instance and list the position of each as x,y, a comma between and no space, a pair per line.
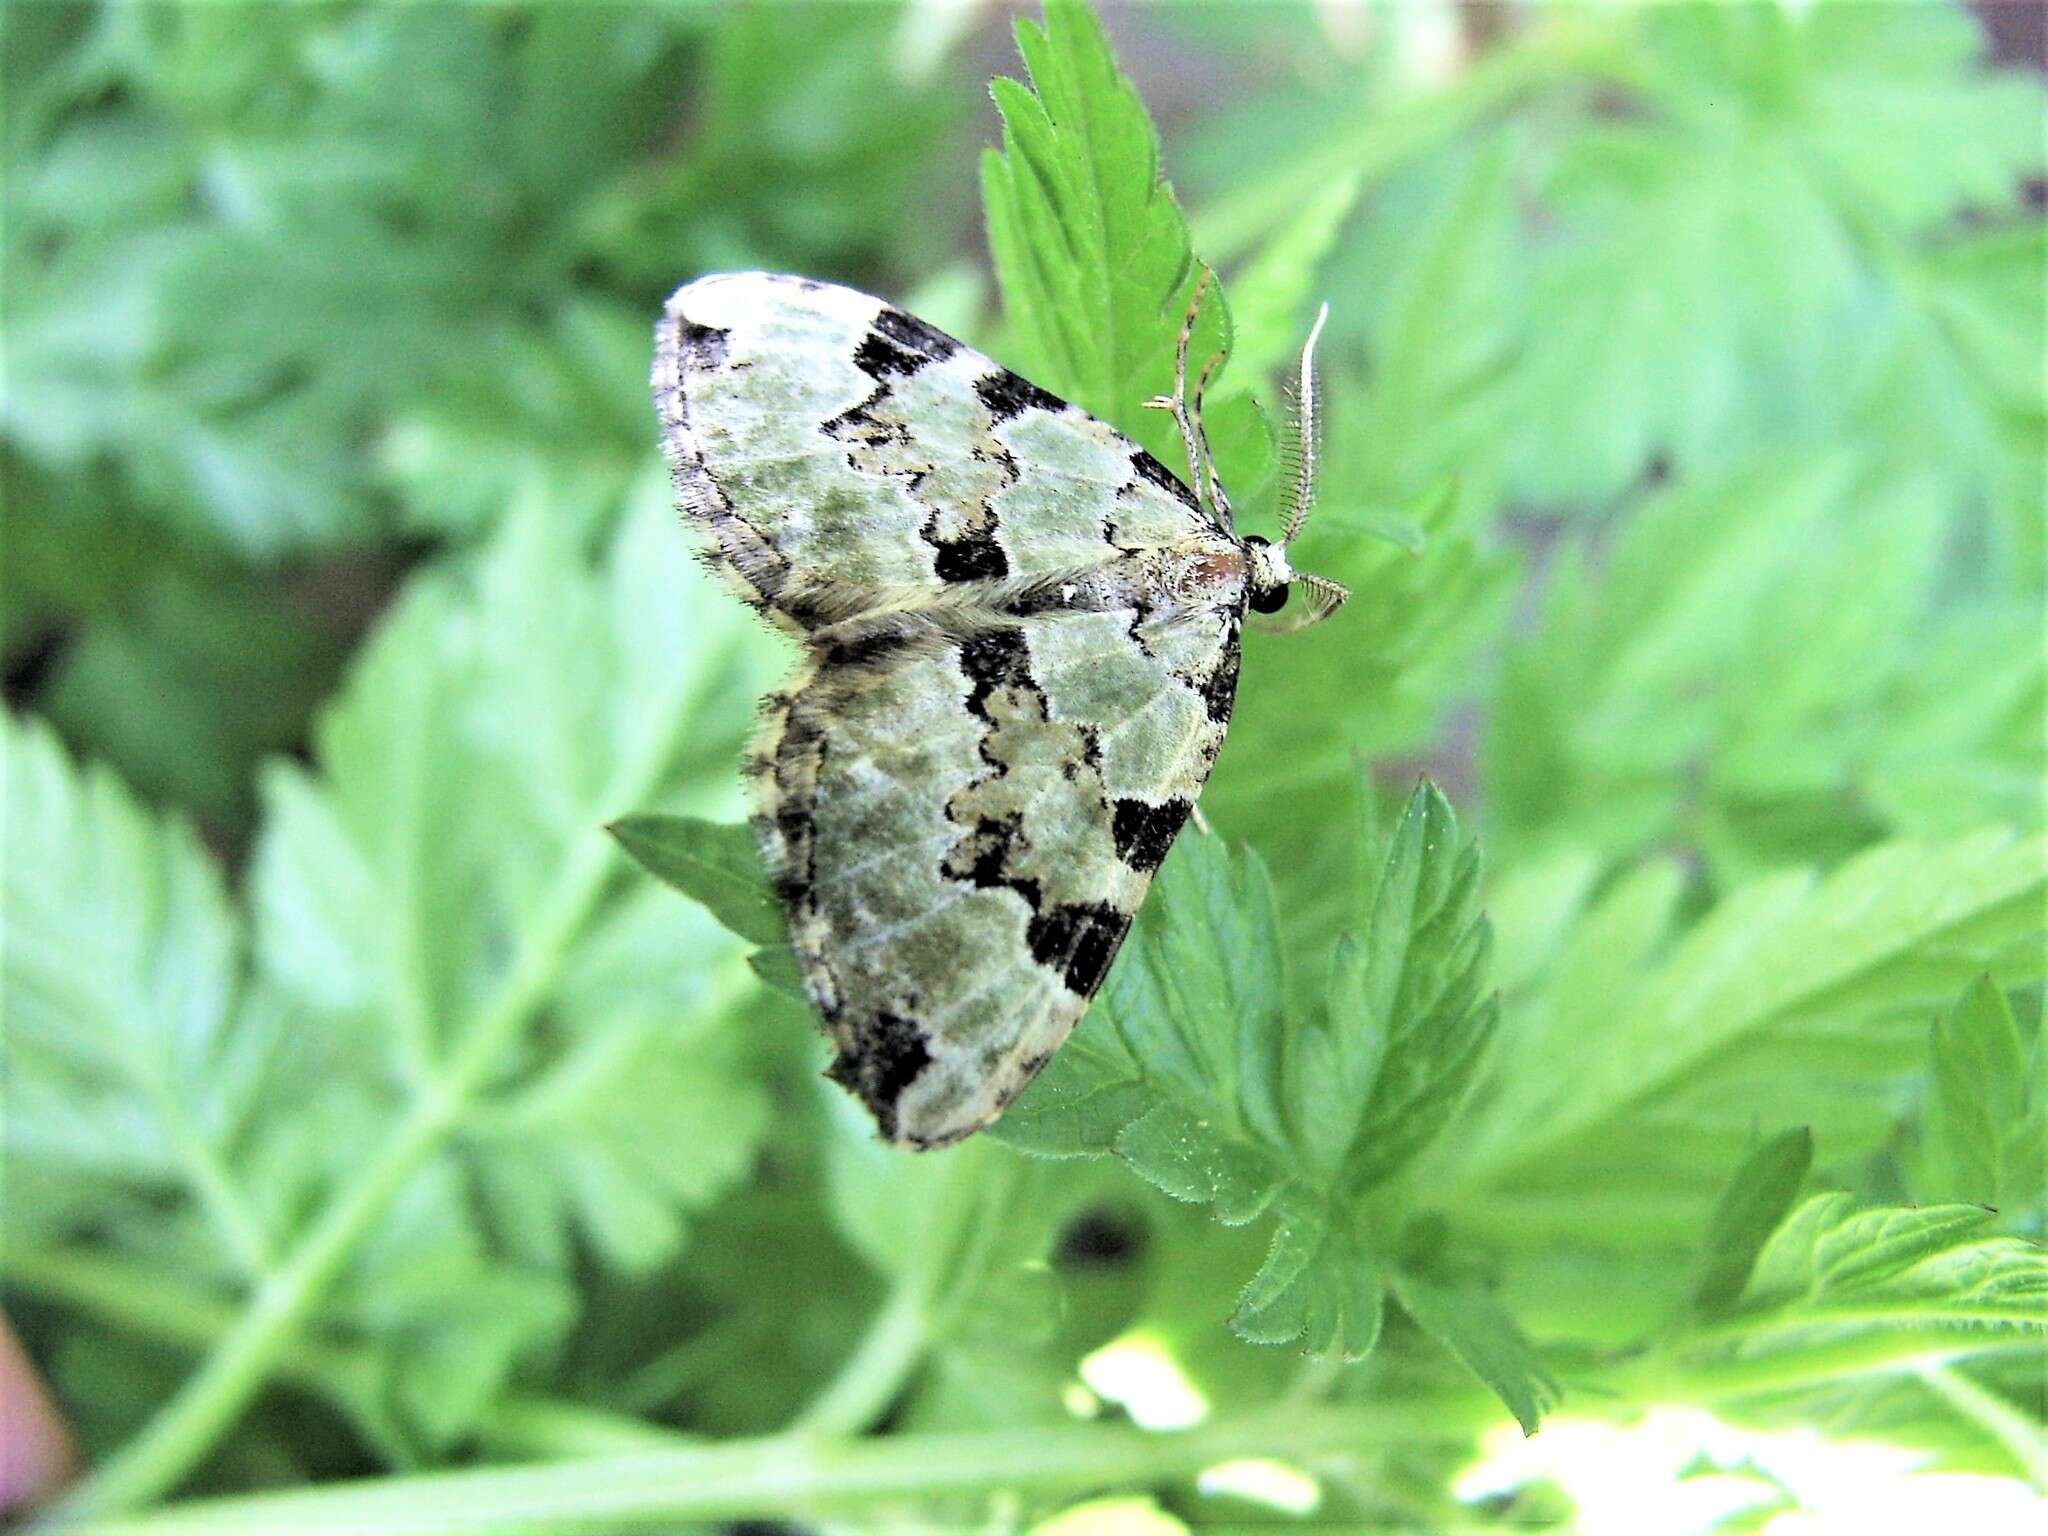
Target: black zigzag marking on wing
1008,394
886,1056
703,347
896,346
1075,940
880,358
858,423
975,556
1078,940
971,557
914,335
993,659
1149,468
1219,688
1144,832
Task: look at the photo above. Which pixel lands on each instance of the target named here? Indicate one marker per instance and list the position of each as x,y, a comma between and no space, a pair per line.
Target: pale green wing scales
1022,641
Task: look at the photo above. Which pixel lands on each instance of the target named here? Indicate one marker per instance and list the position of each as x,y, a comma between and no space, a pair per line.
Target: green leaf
1199,976
1423,1023
1977,1097
1416,432
484,737
1190,1070
1715,253
1748,673
1795,999
550,413
480,734
1091,250
1322,1283
587,1145
1441,339
718,864
1837,1292
1271,293
121,960
1952,390
161,1107
452,1320
175,670
228,297
776,966
1756,1201
1963,740
1471,1325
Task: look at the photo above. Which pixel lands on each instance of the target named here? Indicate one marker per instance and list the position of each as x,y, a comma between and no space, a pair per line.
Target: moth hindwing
1020,645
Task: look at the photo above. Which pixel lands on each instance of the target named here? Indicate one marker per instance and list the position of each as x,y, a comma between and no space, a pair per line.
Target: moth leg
1211,489
1177,403
1201,821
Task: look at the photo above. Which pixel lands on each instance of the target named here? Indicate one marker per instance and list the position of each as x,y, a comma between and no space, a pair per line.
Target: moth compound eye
1272,601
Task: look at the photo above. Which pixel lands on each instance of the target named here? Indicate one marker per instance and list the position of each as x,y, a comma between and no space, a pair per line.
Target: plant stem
938,1278
116,1291
528,1429
1667,1376
187,1427
786,1475
875,1372
2020,1435
144,1303
219,1196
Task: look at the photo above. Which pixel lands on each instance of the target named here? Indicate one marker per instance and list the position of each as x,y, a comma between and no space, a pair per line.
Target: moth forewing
1022,639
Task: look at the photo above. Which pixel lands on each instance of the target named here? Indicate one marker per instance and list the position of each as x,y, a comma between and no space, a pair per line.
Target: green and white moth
1021,639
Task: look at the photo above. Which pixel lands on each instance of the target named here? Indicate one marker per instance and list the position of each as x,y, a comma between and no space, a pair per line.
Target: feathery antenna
1302,441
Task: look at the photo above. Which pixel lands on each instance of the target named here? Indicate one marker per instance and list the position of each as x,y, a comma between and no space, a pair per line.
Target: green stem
939,1278
144,1303
714,1352
1666,1376
875,1372
127,1295
2020,1435
238,1230
529,1429
792,1475
186,1428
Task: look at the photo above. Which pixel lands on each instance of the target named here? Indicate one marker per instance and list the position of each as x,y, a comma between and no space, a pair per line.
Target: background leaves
367,1112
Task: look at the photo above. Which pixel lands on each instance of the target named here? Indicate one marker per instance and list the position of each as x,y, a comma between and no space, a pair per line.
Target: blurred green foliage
368,1113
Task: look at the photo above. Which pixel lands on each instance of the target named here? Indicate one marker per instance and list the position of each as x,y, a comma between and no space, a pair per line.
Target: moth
1020,640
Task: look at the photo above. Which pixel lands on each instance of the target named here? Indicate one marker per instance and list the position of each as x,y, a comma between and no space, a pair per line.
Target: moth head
1271,581
1271,577
1268,574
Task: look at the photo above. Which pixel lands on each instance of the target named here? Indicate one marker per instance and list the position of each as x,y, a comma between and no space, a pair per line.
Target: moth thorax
1268,574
